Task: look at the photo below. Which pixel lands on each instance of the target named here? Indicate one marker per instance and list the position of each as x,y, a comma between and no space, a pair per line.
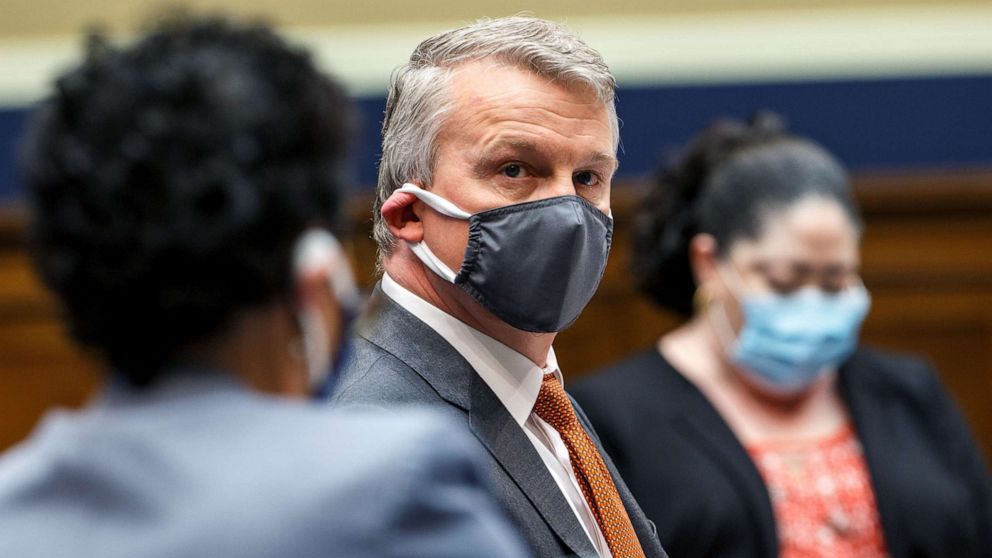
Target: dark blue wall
868,124
890,123
11,124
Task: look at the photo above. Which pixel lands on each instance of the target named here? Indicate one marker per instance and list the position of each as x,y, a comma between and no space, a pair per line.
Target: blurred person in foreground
761,427
182,191
493,226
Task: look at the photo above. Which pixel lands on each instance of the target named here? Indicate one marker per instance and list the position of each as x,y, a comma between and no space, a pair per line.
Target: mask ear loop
434,263
738,282
319,355
436,202
317,250
444,207
724,333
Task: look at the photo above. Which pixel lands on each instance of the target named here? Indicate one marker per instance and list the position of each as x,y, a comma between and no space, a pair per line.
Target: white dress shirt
516,381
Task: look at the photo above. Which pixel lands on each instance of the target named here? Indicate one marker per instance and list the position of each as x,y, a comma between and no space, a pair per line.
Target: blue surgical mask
788,342
535,265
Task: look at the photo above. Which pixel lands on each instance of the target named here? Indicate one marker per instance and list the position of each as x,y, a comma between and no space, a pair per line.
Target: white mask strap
316,347
436,202
318,250
721,326
444,207
733,280
434,263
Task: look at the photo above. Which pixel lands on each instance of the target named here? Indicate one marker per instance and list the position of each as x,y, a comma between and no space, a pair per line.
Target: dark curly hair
727,182
168,181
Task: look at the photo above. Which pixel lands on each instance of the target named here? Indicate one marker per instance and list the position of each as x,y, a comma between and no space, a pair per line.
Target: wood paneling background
927,260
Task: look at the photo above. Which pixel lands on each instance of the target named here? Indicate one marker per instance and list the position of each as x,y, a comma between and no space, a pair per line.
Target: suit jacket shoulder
433,496
234,474
374,377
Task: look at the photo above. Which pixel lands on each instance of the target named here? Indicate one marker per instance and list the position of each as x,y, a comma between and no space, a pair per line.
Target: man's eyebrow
498,149
601,157
511,144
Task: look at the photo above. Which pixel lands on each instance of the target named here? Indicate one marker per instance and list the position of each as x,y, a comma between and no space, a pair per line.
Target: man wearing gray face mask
493,223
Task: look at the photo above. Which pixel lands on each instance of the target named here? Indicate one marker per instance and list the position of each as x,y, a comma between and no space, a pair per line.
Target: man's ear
402,214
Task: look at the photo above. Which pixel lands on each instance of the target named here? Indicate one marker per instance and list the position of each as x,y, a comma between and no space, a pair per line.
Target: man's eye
513,170
586,178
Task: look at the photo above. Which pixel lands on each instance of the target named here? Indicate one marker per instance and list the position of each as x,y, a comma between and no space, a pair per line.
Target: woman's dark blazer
693,478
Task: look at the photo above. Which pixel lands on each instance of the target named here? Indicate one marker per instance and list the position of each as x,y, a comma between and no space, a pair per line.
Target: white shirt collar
514,378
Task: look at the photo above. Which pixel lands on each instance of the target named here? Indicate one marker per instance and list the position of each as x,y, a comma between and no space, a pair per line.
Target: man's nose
561,184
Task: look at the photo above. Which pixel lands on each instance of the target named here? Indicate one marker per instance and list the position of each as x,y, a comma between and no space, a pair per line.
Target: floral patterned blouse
822,496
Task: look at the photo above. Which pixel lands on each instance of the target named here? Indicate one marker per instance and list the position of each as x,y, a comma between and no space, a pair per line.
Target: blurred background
900,90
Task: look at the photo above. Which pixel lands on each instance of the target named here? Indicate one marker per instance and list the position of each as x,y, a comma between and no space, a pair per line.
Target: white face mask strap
721,327
444,207
434,263
316,346
318,250
721,324
734,281
436,202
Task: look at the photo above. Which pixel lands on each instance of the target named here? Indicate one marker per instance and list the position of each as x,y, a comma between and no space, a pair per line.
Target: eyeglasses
787,276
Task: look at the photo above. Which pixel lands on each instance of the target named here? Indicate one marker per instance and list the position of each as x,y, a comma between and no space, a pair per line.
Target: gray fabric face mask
535,265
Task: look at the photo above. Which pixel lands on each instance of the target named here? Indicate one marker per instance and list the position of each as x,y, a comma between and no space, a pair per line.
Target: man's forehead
490,75
492,94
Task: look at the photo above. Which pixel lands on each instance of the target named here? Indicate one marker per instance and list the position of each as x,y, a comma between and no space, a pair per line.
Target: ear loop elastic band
721,325
437,203
318,250
444,207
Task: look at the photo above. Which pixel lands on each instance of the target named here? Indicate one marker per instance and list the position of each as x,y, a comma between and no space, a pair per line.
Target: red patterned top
822,495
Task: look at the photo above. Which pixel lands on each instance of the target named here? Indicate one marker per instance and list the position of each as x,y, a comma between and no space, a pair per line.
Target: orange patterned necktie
555,408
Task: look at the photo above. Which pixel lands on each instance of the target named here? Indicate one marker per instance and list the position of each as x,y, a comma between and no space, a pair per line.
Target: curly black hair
168,181
727,182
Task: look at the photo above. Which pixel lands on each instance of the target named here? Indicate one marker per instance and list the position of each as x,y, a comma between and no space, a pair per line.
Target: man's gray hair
419,100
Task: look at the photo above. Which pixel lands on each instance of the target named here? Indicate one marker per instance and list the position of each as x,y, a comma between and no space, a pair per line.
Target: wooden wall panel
39,368
927,260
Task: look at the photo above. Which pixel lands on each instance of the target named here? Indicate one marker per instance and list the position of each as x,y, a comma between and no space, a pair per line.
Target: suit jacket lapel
407,338
386,324
503,437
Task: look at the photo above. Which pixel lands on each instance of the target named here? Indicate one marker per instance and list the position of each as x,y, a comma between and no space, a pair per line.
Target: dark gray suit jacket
399,360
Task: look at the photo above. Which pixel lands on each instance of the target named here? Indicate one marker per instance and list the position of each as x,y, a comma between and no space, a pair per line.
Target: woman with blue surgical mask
761,427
